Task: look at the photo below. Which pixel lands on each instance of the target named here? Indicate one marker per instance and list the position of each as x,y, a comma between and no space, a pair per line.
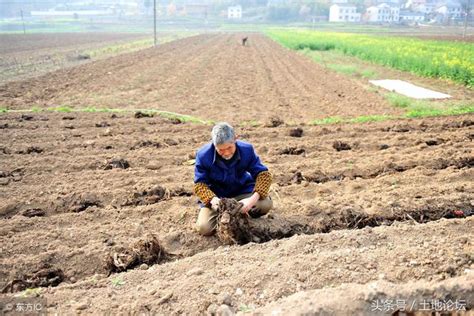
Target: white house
383,13
343,13
234,12
409,16
425,8
451,10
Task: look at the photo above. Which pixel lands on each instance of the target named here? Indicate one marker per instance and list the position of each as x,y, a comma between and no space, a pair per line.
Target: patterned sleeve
203,192
263,183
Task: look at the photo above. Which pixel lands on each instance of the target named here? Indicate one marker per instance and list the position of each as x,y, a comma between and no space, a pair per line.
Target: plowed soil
209,76
374,210
29,55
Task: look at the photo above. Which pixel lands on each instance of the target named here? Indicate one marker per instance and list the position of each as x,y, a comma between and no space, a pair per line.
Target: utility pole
154,21
23,21
466,17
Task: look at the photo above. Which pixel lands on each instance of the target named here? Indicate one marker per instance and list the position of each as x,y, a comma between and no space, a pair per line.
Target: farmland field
369,211
439,59
29,55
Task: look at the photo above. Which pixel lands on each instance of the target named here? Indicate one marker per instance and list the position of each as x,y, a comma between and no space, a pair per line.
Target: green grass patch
117,282
316,57
424,108
344,69
136,45
30,292
322,57
166,114
370,118
252,123
398,101
358,119
181,117
418,110
36,109
368,74
64,108
67,109
99,110
120,48
429,58
328,120
246,308
340,63
430,111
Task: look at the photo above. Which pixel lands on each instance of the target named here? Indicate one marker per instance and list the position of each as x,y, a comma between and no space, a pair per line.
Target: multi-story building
450,10
411,17
383,13
343,13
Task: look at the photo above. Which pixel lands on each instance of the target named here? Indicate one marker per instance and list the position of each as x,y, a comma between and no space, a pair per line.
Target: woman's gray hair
222,133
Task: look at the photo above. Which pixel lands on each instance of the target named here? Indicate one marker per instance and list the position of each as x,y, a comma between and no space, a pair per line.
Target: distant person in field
229,168
244,41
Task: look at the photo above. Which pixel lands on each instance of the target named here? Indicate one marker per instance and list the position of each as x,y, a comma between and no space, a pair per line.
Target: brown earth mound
147,251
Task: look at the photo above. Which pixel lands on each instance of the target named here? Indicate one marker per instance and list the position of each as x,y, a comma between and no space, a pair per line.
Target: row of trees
295,12
279,10
269,10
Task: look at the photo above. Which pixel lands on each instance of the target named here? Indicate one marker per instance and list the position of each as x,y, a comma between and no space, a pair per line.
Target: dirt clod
175,120
140,114
433,142
291,151
348,219
102,124
26,117
77,203
275,122
146,143
146,197
296,132
236,228
117,163
181,192
170,142
83,57
44,277
339,145
31,150
33,212
146,251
